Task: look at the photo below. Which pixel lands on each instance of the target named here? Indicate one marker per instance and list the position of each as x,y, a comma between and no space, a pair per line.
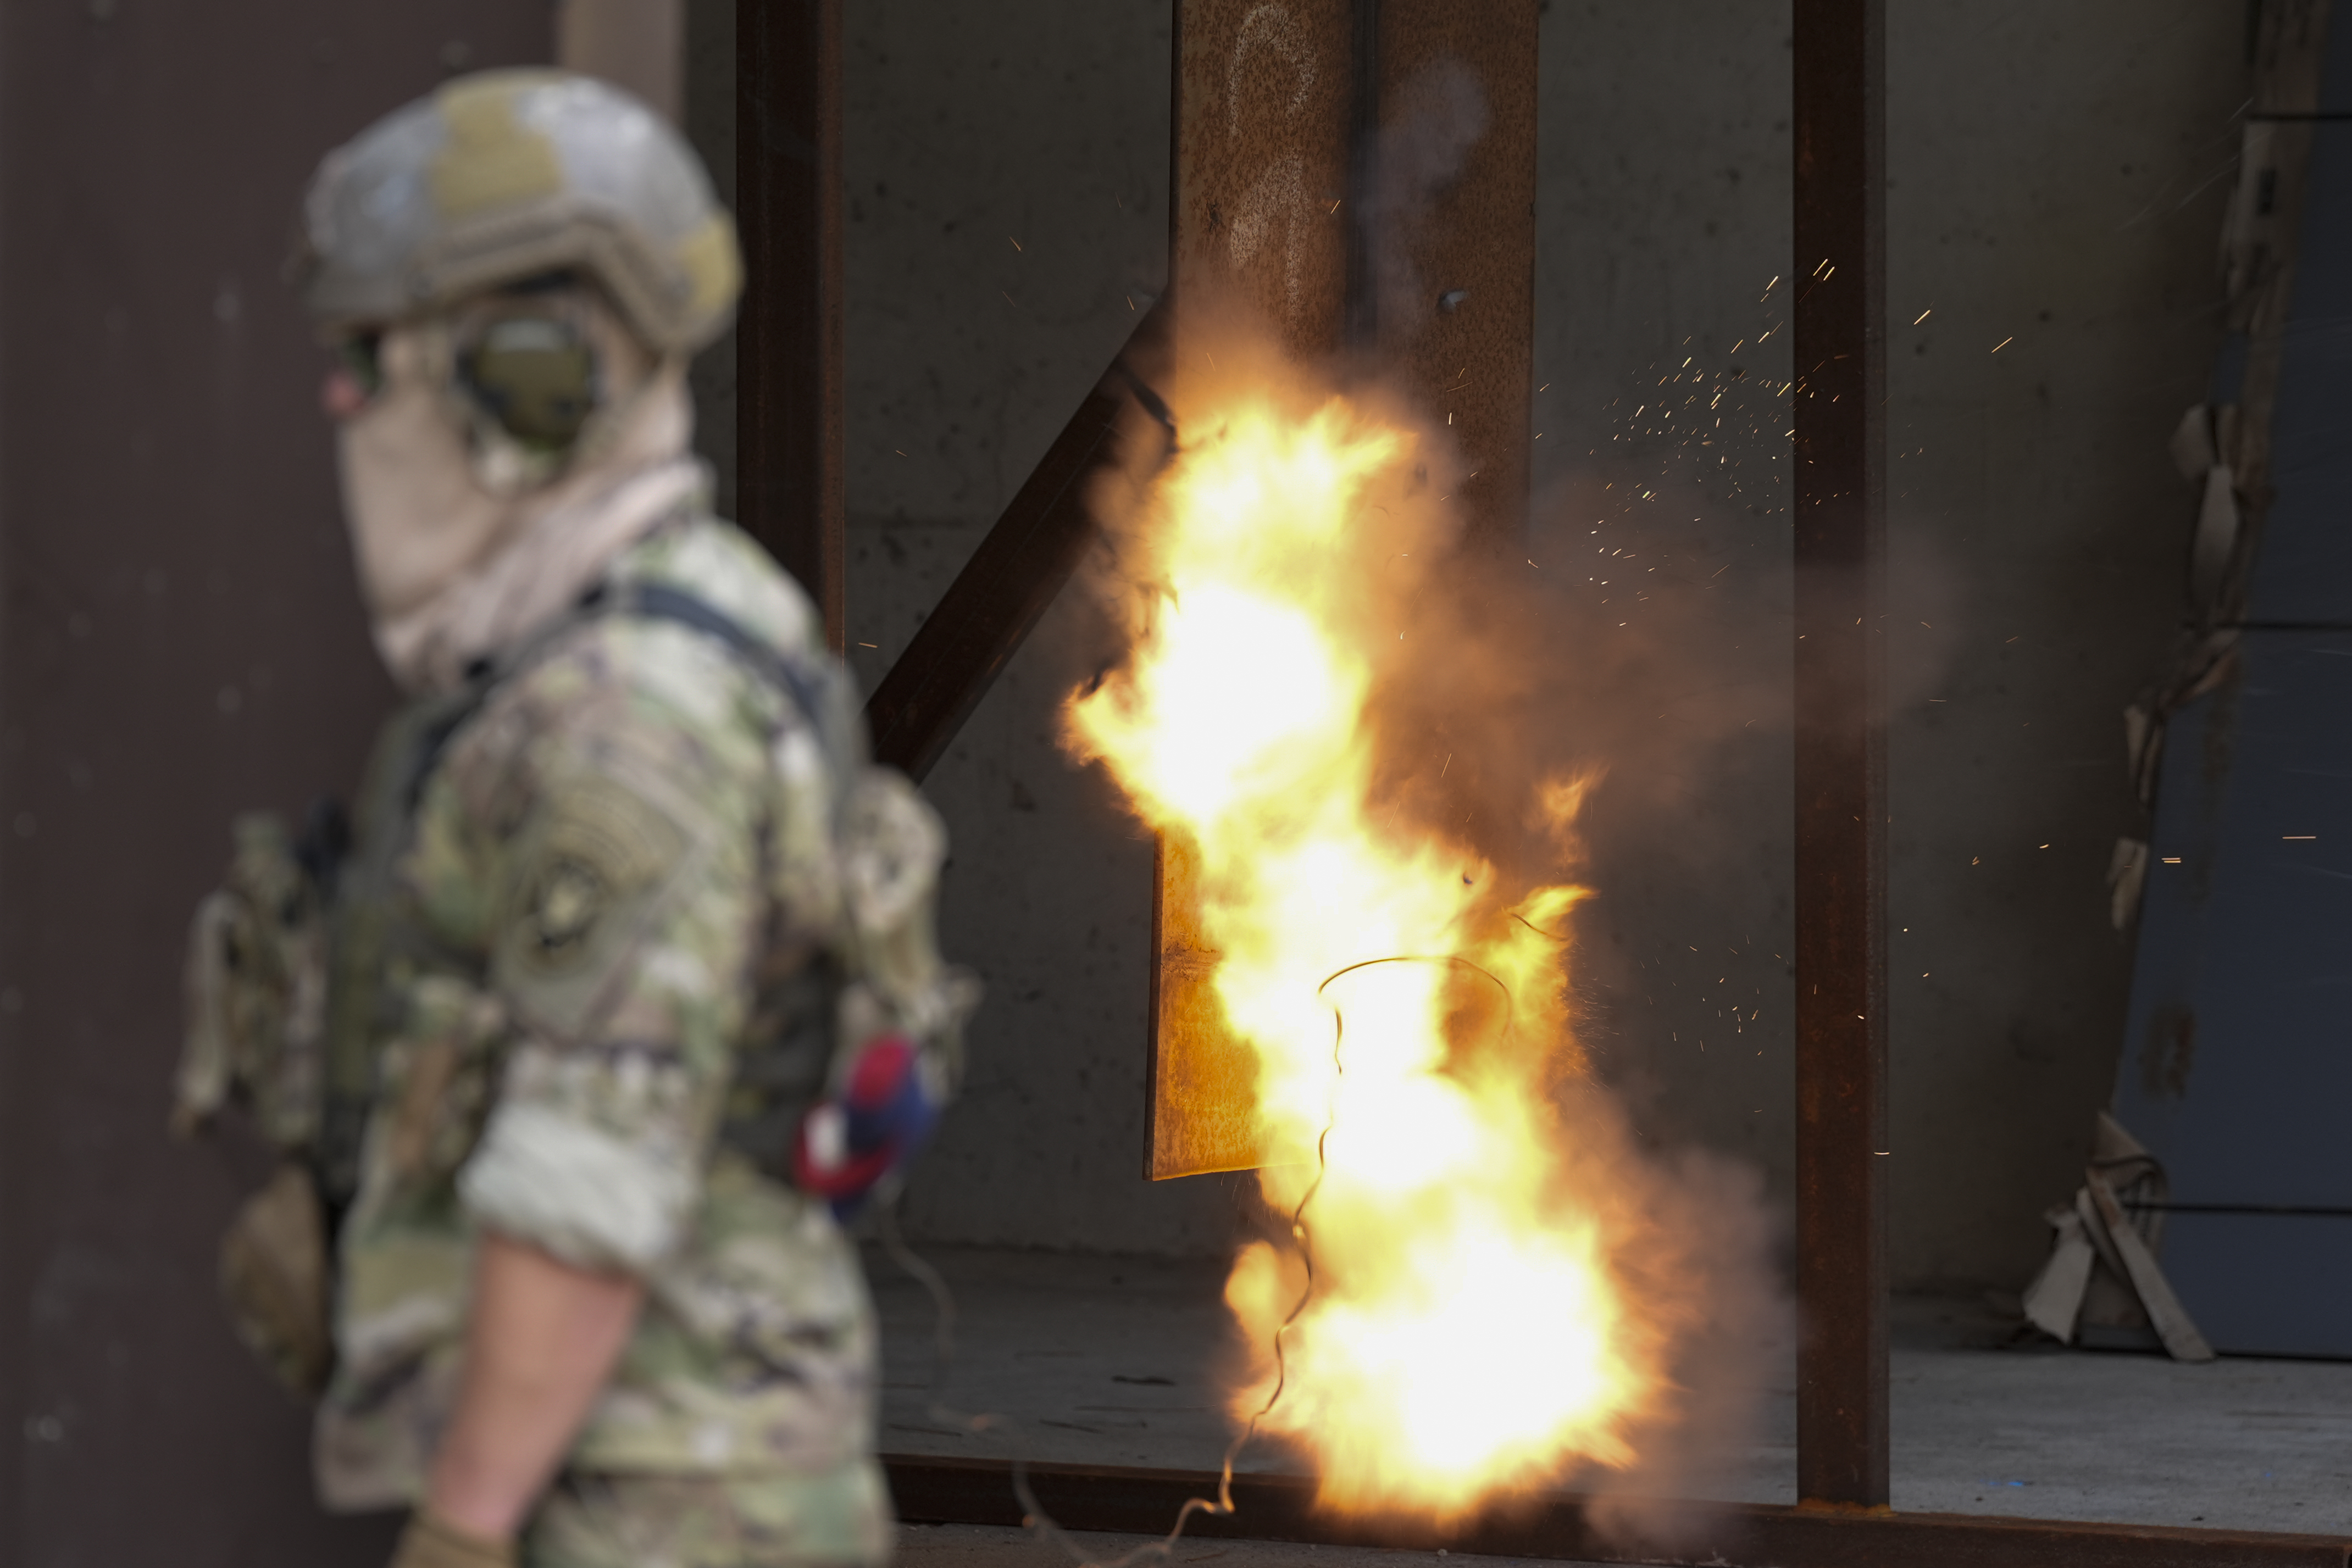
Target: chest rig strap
364,880
801,686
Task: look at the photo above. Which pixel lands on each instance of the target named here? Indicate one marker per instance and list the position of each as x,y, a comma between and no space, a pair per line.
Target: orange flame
1467,1331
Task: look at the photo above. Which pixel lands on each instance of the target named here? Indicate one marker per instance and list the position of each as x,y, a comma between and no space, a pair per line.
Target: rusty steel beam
790,488
1360,176
1838,335
1449,257
994,603
1269,105
1560,1525
1260,163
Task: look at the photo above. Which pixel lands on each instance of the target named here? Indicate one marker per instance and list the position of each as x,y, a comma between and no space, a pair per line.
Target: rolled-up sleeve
622,946
580,1187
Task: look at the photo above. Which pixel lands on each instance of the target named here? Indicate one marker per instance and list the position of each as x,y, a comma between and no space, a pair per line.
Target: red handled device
884,1115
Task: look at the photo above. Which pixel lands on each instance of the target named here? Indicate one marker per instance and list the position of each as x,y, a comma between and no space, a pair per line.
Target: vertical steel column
1362,174
788,430
1840,747
1464,340
1268,105
1264,104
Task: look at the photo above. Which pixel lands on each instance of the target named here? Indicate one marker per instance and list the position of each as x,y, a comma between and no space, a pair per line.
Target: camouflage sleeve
622,935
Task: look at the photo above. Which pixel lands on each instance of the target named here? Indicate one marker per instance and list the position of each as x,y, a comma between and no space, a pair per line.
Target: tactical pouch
257,987
273,1279
255,1008
892,845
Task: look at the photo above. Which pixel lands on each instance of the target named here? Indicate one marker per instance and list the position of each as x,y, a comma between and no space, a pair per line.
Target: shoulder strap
648,601
660,602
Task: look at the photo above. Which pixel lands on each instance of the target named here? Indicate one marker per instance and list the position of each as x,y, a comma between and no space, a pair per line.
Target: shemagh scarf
455,565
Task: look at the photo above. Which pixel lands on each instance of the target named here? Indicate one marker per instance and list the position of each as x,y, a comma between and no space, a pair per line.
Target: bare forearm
541,1340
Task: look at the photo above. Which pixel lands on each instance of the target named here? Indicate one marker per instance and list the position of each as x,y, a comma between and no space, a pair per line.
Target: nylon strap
646,601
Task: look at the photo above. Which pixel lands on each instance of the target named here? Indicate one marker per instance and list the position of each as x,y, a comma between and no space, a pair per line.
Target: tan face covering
460,549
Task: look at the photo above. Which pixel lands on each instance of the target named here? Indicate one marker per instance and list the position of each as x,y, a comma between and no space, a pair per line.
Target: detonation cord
1033,1515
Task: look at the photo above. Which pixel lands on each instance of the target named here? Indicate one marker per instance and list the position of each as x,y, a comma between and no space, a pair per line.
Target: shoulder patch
566,899
585,880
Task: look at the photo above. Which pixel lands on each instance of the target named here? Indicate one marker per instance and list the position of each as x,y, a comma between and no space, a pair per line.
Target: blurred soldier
626,988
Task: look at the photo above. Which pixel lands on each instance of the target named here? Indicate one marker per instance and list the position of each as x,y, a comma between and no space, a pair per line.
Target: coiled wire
1034,1518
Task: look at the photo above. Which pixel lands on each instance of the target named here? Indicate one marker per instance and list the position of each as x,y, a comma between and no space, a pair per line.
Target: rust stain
1263,133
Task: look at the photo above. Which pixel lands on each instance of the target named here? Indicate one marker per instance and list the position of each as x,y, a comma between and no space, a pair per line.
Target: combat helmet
508,175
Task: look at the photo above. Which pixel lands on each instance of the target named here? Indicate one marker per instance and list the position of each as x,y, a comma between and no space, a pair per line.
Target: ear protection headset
535,375
530,369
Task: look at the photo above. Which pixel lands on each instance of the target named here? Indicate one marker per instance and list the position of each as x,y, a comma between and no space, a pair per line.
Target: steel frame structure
789,490
1838,502
789,431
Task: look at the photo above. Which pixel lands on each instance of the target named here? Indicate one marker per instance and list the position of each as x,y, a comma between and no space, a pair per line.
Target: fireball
1465,1330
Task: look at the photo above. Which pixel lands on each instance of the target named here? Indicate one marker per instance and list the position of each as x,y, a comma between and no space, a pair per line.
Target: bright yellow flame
1465,1332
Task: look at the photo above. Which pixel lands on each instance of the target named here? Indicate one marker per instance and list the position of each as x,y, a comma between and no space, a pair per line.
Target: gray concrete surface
1119,1361
2056,179
987,1546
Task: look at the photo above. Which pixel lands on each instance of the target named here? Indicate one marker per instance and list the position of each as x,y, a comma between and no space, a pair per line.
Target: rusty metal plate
1202,1112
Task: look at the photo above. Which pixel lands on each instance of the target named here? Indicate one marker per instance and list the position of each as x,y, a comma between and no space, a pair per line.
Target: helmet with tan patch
509,175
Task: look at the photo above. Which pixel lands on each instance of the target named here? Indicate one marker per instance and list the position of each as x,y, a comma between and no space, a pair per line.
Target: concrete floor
1116,1361
985,1546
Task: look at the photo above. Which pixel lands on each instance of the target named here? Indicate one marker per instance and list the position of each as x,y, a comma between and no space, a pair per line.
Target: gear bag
284,974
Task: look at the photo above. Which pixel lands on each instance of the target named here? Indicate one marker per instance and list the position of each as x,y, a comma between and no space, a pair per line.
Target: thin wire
1033,1515
1548,935
1455,960
943,1321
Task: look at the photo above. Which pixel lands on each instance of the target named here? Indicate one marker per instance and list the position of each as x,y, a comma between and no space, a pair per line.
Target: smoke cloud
1525,703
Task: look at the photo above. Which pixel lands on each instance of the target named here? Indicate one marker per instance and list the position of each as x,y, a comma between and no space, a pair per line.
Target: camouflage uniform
593,961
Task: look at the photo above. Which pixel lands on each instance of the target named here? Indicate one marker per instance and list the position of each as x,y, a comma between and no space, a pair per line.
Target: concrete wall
2057,174
2056,178
2079,221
